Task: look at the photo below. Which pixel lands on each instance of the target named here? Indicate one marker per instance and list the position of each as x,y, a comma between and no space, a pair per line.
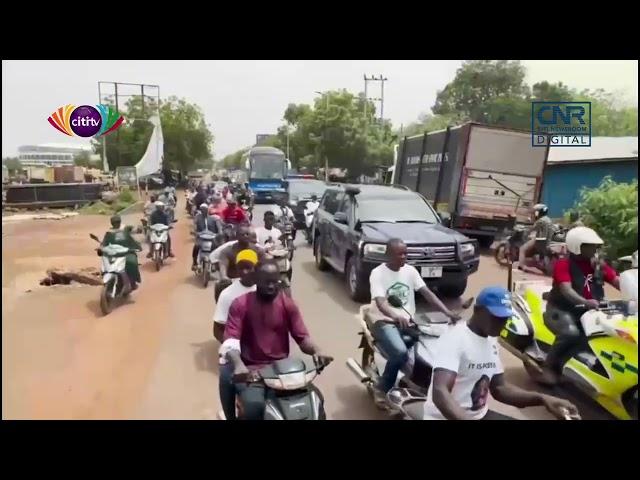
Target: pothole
60,276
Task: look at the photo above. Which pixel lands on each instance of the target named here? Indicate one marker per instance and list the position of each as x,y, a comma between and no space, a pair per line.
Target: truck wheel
356,283
321,264
453,290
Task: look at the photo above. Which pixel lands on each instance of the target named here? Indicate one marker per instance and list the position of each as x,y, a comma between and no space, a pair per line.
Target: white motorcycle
158,237
414,378
206,268
115,281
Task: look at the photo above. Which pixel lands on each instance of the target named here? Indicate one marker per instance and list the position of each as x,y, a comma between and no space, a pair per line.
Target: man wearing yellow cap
246,261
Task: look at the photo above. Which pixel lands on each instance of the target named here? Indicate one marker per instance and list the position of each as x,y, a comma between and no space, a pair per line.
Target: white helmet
578,236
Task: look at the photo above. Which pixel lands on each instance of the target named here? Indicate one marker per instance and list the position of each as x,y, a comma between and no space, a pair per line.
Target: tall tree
187,138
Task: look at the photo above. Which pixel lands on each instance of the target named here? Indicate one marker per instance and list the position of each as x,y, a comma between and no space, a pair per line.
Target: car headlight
375,248
467,250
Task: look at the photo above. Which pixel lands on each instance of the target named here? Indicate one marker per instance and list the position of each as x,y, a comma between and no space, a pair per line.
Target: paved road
155,357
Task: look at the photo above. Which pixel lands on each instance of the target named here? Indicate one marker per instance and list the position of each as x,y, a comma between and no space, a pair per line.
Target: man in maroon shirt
257,333
578,286
234,214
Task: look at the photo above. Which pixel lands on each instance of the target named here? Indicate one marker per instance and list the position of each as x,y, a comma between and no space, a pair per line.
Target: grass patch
123,200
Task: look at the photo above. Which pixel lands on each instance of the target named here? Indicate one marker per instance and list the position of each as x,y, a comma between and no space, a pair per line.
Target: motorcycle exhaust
357,370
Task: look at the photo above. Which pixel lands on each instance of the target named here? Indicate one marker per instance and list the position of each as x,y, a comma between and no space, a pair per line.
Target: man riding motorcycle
150,206
234,214
217,205
203,221
119,236
245,240
544,230
397,278
578,283
467,367
257,333
160,216
310,209
268,236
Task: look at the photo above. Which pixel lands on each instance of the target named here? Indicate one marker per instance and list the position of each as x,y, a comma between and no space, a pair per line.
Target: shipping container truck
483,177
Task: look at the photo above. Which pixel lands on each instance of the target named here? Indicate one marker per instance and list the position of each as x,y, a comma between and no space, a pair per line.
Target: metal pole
288,144
382,80
366,98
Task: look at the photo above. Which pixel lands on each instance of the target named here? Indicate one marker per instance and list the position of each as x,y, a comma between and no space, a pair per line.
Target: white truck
484,178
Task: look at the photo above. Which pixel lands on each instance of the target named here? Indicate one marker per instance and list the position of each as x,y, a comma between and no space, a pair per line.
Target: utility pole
373,78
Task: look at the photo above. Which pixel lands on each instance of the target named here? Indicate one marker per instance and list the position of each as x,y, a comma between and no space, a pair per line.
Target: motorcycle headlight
467,250
375,249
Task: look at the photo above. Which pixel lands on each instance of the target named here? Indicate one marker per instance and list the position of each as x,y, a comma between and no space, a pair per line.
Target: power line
373,78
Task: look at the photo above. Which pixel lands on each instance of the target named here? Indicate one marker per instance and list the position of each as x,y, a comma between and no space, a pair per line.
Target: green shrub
611,209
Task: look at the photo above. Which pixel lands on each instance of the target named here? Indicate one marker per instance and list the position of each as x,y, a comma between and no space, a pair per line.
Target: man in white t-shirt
467,367
281,208
268,234
246,261
400,280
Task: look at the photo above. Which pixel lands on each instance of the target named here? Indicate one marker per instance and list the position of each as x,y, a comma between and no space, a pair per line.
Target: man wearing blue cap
467,367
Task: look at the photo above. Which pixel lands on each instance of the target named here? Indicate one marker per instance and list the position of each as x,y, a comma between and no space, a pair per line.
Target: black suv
354,222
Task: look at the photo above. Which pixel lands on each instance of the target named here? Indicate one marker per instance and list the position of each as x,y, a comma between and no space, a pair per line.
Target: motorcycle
115,281
286,227
290,393
604,364
158,238
205,268
507,249
281,255
414,378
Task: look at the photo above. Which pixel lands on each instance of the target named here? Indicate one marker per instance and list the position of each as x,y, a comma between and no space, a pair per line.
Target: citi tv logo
85,120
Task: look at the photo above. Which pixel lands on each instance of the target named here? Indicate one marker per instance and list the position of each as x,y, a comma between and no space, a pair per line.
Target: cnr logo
565,112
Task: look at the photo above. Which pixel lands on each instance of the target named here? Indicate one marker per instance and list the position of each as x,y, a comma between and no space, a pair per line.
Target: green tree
187,138
12,163
477,84
611,209
337,128
82,159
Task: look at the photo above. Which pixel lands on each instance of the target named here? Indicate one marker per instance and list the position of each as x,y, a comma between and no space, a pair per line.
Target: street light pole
324,136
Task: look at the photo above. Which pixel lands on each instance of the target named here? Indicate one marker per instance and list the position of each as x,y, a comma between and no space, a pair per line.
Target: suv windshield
405,209
307,187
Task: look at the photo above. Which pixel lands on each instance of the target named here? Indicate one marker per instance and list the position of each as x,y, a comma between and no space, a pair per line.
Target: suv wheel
453,290
356,283
321,264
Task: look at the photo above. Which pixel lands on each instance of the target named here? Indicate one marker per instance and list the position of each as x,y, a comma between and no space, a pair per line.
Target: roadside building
569,169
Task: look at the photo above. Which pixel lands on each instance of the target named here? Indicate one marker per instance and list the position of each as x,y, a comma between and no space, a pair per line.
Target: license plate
431,272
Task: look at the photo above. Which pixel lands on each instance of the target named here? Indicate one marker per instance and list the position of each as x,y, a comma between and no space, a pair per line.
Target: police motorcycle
604,364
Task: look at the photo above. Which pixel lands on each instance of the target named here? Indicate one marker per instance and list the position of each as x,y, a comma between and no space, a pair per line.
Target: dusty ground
155,357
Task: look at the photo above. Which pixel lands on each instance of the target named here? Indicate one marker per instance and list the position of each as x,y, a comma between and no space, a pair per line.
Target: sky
243,98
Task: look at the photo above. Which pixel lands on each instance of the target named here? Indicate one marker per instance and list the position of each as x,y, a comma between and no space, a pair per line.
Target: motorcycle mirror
394,301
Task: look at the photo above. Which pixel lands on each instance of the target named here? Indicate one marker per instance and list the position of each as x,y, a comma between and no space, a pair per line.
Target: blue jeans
252,396
390,342
227,391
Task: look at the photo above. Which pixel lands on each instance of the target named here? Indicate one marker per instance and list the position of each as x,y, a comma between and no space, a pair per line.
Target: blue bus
267,170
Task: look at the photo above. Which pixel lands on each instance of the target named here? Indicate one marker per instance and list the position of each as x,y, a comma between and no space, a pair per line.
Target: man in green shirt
122,236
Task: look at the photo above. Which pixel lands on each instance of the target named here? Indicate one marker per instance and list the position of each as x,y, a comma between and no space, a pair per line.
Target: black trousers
566,326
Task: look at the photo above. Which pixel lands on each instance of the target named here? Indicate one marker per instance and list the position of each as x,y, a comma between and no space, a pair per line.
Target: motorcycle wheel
106,302
206,270
158,260
502,255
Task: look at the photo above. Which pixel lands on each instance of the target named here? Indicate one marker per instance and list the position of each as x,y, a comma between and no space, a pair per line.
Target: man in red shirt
578,286
234,214
257,334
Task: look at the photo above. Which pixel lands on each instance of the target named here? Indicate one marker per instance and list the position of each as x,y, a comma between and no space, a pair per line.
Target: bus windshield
267,167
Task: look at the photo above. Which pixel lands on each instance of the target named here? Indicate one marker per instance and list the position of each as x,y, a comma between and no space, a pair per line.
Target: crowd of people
254,317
